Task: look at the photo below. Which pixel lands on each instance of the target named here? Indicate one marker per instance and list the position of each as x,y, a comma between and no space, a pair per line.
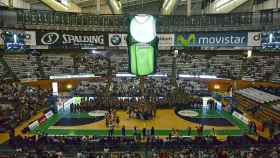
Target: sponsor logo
190,40
68,39
254,38
211,39
257,37
50,38
53,38
116,39
188,113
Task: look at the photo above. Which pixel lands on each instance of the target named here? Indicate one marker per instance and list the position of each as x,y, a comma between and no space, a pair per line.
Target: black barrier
90,21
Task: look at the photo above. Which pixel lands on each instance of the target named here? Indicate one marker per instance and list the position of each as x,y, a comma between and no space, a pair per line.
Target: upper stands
222,66
23,65
92,64
57,64
260,67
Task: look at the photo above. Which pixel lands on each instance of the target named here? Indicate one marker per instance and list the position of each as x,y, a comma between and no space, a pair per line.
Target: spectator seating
95,64
245,103
128,87
57,64
260,104
258,96
126,147
24,66
21,102
2,70
223,66
260,67
271,90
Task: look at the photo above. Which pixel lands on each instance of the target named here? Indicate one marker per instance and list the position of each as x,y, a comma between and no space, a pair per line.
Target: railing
25,18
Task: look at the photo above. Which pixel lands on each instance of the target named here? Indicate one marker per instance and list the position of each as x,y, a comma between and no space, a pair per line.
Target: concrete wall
16,4
104,9
270,4
40,6
246,7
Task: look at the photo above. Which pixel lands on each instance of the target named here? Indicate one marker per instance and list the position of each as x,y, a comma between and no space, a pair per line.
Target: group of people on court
199,130
146,132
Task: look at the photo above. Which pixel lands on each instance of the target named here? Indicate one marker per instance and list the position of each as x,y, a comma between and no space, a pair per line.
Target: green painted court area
44,128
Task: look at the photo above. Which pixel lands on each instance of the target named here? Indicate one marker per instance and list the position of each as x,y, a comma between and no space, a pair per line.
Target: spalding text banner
71,39
212,39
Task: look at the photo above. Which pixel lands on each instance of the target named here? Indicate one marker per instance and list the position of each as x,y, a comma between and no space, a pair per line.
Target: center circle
188,113
98,113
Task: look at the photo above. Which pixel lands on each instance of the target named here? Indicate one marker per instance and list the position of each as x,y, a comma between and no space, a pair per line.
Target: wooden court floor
165,119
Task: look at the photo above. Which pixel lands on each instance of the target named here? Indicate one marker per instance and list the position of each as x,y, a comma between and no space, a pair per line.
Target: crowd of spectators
130,87
127,103
96,64
19,102
153,147
237,66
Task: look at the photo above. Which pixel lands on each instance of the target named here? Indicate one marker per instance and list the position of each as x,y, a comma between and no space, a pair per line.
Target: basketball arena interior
139,79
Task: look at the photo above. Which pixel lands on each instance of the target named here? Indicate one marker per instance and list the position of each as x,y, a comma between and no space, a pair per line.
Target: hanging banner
212,39
28,40
254,39
119,40
71,39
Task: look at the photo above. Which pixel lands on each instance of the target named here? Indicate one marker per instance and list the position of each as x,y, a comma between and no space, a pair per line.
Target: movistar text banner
71,39
212,39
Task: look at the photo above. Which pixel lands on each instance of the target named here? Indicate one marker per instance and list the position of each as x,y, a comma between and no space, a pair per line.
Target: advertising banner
29,40
241,117
42,119
71,39
254,39
270,40
119,40
212,39
33,125
49,114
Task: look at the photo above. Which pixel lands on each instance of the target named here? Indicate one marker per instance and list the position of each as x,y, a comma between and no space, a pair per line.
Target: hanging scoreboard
142,44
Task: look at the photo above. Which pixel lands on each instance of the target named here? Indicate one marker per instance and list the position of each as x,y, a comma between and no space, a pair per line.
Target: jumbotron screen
147,63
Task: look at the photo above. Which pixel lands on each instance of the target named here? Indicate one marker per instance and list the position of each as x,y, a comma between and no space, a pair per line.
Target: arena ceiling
155,7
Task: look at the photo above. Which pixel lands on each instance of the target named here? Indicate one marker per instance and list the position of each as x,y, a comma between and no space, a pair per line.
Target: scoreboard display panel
142,59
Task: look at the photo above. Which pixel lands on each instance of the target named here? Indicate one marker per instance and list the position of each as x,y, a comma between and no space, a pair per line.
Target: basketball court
88,124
